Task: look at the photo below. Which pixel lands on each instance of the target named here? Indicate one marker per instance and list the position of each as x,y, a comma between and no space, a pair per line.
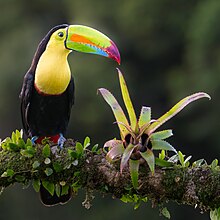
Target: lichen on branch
81,166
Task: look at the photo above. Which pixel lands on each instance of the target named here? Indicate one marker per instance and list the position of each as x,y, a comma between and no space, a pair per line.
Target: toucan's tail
49,200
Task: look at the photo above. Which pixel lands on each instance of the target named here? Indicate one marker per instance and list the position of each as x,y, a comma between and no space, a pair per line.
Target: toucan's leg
33,139
61,141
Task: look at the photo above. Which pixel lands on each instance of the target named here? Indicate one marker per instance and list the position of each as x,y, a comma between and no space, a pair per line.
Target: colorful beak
88,40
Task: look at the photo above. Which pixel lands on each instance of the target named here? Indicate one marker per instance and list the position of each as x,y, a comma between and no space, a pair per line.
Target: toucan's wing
70,92
25,96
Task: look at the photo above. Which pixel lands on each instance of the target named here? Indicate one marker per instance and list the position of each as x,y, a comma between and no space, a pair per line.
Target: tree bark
195,186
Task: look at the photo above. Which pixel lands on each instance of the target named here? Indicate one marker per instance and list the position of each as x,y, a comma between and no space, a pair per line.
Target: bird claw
33,139
61,141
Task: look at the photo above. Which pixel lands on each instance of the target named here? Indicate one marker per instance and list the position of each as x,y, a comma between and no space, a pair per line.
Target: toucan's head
82,39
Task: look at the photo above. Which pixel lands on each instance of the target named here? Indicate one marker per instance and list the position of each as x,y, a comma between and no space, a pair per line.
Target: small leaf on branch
36,185
36,164
46,150
165,213
48,171
48,186
86,142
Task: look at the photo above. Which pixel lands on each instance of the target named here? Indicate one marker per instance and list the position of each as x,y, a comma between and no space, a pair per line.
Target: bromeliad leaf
176,109
113,143
117,110
162,145
161,135
126,156
134,167
128,103
115,151
150,159
145,116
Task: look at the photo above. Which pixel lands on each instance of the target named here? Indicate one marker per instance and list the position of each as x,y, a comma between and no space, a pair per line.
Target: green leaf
48,171
198,163
181,158
36,164
162,154
161,135
19,178
162,145
21,143
126,156
215,214
36,185
8,173
72,154
13,147
214,164
86,142
145,116
95,148
13,137
64,190
57,167
31,151
137,204
46,151
116,149
174,158
79,149
58,189
28,142
4,174
163,163
150,159
134,167
126,198
186,161
176,109
48,186
19,134
117,110
127,102
165,213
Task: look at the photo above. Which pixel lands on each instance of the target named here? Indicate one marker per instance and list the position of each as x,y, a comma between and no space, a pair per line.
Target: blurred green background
169,49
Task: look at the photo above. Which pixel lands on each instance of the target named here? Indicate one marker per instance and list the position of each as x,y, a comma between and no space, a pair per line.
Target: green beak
88,40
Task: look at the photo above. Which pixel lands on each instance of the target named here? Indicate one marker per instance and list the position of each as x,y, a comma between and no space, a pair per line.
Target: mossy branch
196,186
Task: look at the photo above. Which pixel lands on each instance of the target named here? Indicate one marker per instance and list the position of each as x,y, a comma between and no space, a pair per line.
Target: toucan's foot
61,141
33,139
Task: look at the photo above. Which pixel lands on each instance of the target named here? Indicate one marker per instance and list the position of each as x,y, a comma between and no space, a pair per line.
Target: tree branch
195,186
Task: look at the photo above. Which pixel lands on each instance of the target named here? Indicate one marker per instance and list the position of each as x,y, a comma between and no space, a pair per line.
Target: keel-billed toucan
47,93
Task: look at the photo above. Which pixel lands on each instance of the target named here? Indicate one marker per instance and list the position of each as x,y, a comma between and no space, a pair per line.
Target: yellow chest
52,74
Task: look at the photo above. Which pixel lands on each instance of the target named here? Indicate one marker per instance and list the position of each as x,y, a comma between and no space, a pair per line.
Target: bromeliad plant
139,137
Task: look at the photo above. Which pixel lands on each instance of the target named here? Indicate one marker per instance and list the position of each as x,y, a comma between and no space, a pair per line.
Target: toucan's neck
52,74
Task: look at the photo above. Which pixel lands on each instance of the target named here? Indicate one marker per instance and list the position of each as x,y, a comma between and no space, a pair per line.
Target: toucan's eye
61,34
